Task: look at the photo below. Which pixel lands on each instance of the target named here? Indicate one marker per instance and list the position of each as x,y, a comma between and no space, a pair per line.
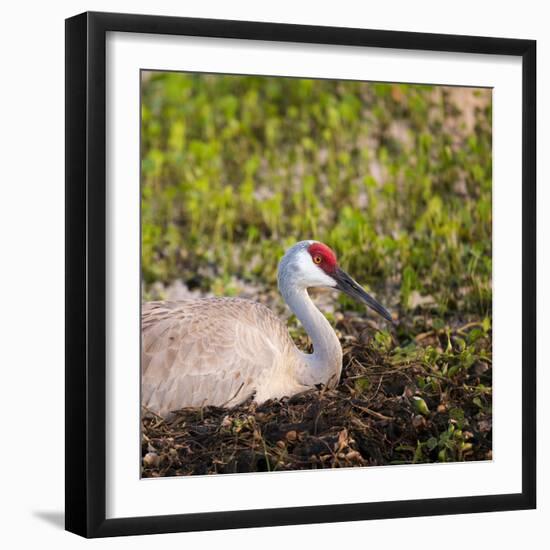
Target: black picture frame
86,273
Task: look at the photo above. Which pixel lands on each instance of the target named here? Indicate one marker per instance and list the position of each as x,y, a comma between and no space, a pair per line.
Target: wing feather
214,351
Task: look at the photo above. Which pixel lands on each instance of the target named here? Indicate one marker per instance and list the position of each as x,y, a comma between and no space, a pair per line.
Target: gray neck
324,365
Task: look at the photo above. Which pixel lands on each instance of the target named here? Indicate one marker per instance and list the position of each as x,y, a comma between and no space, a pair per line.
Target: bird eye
317,259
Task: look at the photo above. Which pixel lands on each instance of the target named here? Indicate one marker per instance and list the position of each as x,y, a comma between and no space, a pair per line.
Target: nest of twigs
378,415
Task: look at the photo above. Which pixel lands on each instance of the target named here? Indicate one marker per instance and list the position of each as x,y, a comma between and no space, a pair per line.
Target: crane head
313,264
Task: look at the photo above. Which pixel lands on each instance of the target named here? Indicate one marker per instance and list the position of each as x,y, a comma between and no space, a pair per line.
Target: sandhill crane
220,351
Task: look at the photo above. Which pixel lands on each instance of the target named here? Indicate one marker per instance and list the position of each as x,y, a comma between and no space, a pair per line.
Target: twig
371,412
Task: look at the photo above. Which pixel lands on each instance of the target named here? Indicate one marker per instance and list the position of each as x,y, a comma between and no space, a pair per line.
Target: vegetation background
396,178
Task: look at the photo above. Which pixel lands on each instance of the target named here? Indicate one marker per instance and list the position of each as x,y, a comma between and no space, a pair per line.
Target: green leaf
420,405
431,443
361,385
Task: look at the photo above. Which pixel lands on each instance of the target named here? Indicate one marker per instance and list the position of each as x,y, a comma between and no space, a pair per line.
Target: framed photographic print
300,274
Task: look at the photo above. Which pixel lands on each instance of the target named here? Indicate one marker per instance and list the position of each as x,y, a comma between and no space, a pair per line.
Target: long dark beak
346,284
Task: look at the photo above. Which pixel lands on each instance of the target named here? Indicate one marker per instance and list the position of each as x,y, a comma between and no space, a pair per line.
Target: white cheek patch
312,275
